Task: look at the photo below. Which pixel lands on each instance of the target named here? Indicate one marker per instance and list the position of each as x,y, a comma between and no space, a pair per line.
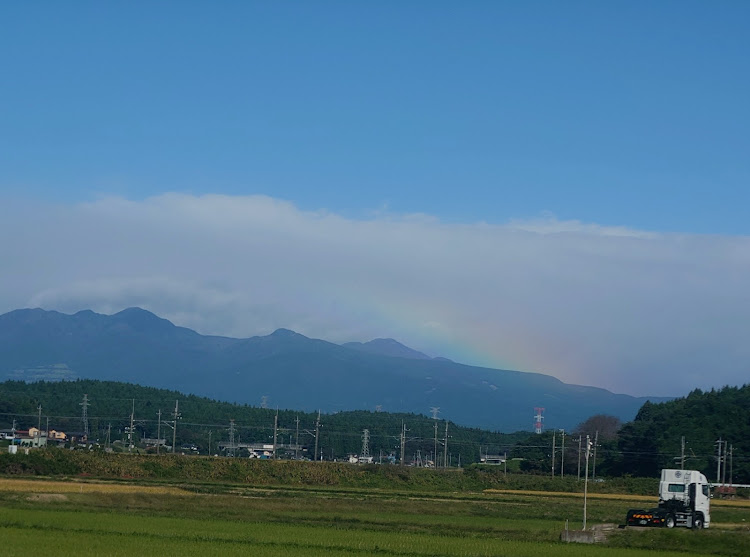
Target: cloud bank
632,311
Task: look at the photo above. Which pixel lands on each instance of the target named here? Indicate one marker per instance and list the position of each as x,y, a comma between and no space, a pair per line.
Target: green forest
654,439
202,420
706,431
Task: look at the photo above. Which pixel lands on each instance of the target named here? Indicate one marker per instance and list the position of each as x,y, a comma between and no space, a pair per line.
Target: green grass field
58,518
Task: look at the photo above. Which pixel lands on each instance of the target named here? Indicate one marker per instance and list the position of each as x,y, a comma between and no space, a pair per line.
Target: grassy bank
207,470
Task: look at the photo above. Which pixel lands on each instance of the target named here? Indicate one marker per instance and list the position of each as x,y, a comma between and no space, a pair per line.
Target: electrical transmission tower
84,414
365,454
230,449
264,401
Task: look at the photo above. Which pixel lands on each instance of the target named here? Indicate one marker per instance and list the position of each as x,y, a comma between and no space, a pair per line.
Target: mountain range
290,370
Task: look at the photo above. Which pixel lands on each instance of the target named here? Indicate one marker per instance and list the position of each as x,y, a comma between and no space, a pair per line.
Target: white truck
684,500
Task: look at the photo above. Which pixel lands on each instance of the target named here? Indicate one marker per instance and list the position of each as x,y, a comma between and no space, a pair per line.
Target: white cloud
629,310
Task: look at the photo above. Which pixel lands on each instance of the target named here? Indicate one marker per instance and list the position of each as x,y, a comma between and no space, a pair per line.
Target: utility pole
724,467
579,457
296,440
209,442
682,453
446,464
505,464
39,423
596,444
718,461
130,429
84,414
317,433
731,454
562,455
553,453
158,432
435,451
176,416
275,432
109,433
435,411
403,442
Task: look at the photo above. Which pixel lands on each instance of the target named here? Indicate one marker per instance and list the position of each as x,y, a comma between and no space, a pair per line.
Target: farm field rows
41,517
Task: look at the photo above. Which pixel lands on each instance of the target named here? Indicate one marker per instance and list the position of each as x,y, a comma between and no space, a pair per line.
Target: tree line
707,431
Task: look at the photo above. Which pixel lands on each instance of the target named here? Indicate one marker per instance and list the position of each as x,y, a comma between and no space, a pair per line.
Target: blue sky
573,122
622,113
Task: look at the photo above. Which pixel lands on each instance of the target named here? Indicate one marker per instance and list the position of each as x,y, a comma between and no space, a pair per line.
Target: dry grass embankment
47,486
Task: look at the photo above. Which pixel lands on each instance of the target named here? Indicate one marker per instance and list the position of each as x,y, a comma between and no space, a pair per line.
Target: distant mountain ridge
292,370
387,347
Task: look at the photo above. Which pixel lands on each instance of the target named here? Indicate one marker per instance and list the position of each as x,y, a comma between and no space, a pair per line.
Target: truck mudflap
651,517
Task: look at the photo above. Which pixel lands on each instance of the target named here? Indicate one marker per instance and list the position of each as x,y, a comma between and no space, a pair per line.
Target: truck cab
686,493
684,500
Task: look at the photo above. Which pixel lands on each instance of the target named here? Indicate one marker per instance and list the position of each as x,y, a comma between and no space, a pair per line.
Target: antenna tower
538,418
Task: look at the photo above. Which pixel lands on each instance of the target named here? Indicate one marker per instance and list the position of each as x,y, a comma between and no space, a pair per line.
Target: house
55,435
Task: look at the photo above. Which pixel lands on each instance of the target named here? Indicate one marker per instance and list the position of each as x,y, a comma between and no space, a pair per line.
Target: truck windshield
677,488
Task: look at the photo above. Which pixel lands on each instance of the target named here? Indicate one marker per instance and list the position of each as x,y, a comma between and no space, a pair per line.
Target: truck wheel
669,522
698,523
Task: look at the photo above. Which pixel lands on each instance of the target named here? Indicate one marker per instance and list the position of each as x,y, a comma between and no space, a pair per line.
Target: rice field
59,518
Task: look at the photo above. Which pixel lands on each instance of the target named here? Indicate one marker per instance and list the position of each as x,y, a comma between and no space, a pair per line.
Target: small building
153,442
78,437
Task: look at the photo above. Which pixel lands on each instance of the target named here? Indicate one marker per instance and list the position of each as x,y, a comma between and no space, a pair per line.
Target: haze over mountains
291,370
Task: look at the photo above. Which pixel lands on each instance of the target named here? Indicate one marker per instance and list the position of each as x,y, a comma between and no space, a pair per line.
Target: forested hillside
653,440
110,405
